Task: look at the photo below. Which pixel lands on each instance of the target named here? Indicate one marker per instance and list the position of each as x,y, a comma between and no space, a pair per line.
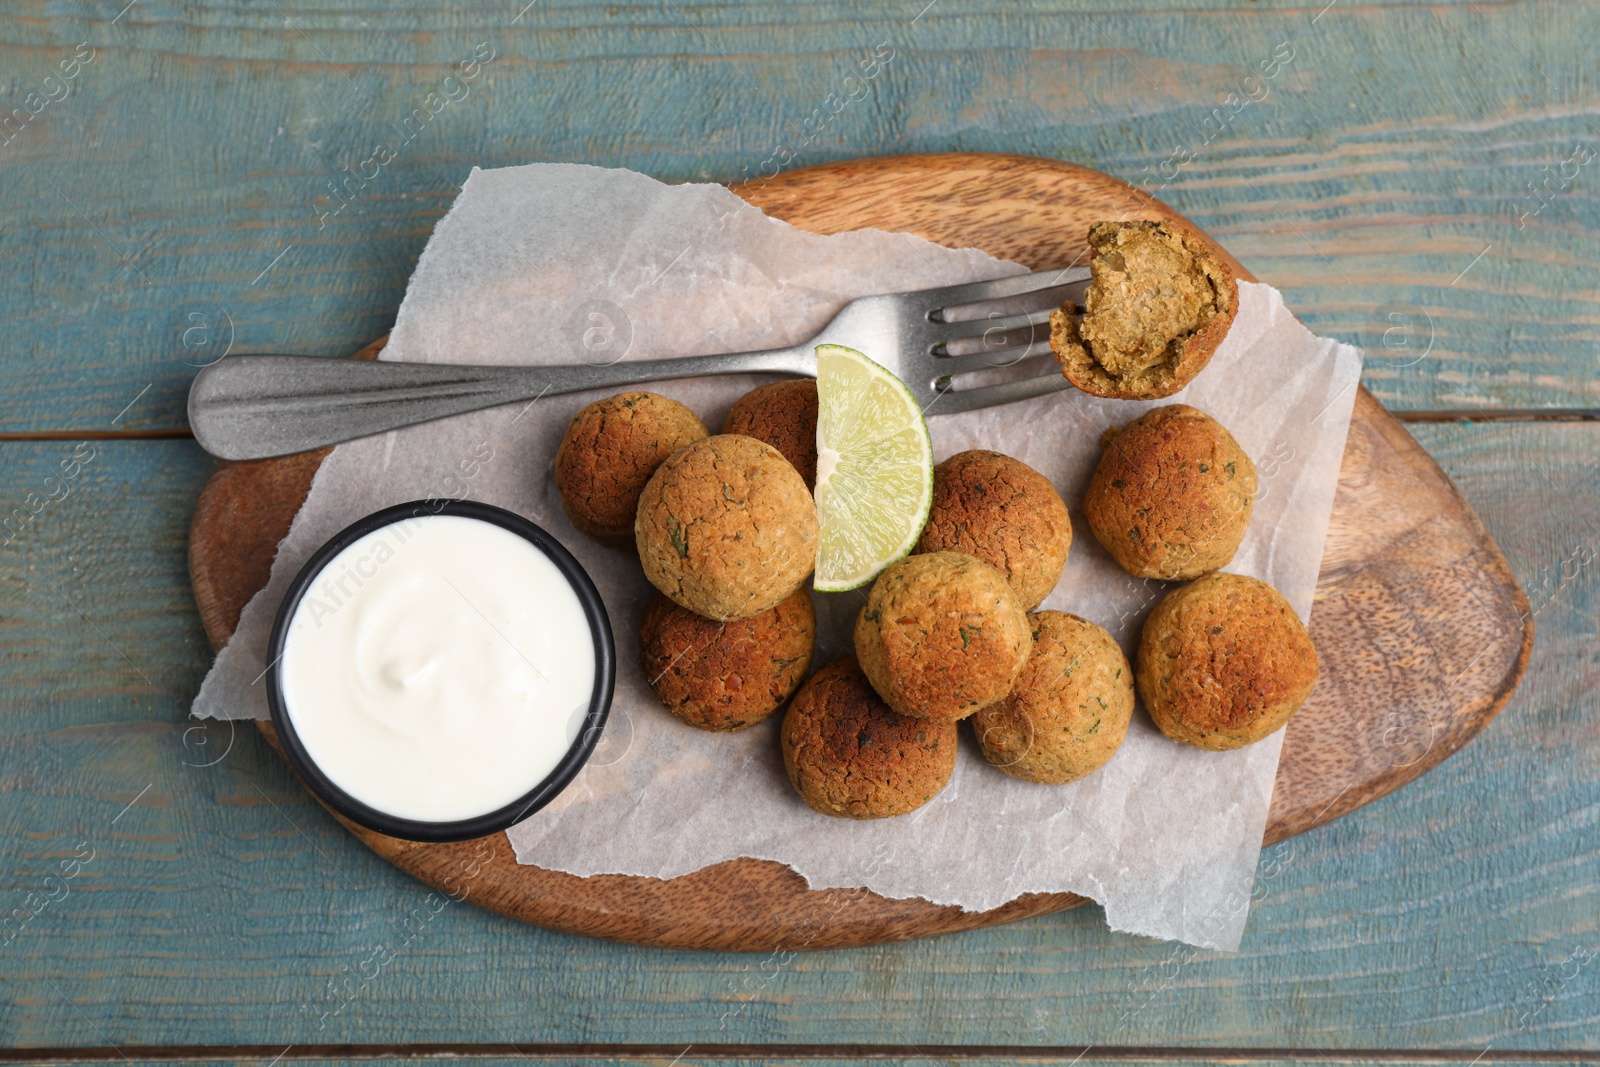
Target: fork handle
254,407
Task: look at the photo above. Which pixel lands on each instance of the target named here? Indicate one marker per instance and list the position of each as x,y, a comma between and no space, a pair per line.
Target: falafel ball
1160,301
726,675
1173,494
1004,512
848,754
1069,711
942,635
608,454
784,415
1224,662
726,528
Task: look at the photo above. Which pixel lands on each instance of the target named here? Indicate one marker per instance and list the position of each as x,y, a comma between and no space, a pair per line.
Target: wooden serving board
1422,629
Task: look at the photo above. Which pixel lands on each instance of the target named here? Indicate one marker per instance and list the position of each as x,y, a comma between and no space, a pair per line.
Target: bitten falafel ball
1224,662
1160,302
850,755
784,415
942,635
1004,512
726,675
1172,495
726,528
1068,712
610,450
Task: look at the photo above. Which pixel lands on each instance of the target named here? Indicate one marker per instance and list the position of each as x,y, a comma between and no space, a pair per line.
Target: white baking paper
556,263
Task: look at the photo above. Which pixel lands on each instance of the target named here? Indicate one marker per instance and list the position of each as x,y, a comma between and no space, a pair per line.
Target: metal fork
254,407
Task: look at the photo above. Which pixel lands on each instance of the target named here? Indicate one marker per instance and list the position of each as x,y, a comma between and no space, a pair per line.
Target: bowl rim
341,802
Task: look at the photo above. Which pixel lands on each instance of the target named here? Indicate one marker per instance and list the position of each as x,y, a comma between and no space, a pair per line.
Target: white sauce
438,668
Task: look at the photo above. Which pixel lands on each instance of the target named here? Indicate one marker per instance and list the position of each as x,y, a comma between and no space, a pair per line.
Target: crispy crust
1069,711
610,450
1147,332
726,528
784,415
1004,512
1172,495
1224,662
726,675
941,636
848,754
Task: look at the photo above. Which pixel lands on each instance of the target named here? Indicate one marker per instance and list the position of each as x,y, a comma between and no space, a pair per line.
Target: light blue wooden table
164,195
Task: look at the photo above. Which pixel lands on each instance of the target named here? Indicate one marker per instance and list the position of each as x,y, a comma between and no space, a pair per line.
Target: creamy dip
438,668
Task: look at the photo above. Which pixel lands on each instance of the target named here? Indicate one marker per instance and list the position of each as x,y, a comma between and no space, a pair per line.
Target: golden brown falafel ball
608,454
849,754
726,675
1160,302
1224,662
784,415
942,635
1172,495
1068,712
726,528
1004,512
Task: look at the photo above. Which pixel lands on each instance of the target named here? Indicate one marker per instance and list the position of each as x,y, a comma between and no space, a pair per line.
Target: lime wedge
874,469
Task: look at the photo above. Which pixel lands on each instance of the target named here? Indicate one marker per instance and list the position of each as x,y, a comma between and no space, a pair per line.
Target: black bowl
605,676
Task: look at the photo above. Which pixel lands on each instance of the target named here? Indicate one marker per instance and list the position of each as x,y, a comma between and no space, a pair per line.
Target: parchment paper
555,263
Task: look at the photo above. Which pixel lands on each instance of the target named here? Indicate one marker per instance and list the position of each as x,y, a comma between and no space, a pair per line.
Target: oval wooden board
1422,629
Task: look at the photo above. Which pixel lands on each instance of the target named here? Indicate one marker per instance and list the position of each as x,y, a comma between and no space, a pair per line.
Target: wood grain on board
1421,626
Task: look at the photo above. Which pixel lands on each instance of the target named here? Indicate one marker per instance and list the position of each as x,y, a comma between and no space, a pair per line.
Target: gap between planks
1523,415
787,1052
97,435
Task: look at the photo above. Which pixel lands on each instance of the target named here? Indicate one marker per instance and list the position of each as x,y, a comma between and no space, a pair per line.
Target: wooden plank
1394,147
95,627
220,906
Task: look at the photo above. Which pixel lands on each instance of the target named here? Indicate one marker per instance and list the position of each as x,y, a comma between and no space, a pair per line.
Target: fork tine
988,396
1000,288
956,354
985,327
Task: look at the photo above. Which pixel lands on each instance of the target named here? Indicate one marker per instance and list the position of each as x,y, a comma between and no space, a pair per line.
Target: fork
257,406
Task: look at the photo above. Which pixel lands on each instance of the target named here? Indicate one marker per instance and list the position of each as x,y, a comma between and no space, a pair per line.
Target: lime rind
874,472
